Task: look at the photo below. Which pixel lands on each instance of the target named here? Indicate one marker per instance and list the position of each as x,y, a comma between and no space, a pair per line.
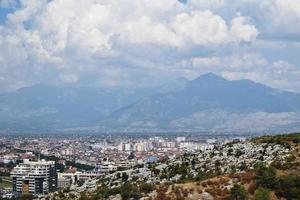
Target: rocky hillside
261,169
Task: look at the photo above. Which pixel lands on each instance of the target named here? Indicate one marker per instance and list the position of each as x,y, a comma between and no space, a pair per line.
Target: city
149,100
42,167
85,158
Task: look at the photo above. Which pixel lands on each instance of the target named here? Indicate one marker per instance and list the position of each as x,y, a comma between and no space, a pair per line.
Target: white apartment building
34,177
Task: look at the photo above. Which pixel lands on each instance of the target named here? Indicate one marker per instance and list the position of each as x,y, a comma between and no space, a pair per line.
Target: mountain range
209,103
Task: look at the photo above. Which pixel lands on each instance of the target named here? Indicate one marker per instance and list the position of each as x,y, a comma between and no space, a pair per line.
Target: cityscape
39,167
149,100
84,158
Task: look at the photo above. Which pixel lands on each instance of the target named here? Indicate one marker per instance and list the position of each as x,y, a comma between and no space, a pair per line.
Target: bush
146,187
129,191
262,194
266,176
238,193
289,187
124,177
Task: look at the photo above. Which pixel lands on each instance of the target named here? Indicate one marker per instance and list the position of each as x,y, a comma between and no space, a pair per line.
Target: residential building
34,177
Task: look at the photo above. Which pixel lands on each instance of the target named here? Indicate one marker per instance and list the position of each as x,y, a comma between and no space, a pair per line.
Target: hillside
256,169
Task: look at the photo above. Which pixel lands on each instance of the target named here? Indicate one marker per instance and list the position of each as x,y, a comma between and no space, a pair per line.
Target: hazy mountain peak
211,77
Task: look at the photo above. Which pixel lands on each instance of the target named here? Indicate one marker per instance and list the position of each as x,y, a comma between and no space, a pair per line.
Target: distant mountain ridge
208,103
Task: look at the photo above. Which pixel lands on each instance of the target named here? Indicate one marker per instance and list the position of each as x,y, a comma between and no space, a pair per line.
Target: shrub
147,188
262,194
238,193
266,176
289,187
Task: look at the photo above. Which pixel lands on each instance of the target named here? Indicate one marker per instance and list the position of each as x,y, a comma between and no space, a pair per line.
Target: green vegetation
286,139
127,191
146,188
238,192
124,177
25,197
79,166
262,194
289,187
266,176
9,166
201,176
4,182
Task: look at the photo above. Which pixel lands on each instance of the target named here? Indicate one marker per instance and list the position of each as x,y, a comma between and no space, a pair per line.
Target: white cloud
235,62
274,18
285,15
69,78
145,30
206,61
201,28
242,31
8,3
206,4
63,40
279,74
281,67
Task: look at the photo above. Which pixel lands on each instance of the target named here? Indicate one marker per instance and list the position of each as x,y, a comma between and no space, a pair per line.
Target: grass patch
5,184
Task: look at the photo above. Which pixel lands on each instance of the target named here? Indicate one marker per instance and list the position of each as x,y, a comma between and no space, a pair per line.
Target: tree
266,176
262,194
80,182
25,197
238,153
131,156
200,176
83,196
238,193
296,140
129,191
147,187
289,187
124,177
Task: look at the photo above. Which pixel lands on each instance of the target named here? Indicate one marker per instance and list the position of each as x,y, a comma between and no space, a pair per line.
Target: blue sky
139,43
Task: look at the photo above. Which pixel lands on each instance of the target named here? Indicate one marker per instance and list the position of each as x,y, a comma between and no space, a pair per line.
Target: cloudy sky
144,42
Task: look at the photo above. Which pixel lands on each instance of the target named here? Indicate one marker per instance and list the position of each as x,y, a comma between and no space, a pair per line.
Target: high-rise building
34,177
128,147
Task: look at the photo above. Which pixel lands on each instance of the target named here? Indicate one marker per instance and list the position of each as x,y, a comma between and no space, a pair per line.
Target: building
64,181
180,139
107,167
34,177
128,147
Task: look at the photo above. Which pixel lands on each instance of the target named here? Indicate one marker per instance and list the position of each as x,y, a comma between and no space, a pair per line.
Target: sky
141,43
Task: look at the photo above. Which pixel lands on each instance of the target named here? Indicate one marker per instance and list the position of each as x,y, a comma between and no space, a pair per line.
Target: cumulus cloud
115,42
59,37
242,31
201,28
